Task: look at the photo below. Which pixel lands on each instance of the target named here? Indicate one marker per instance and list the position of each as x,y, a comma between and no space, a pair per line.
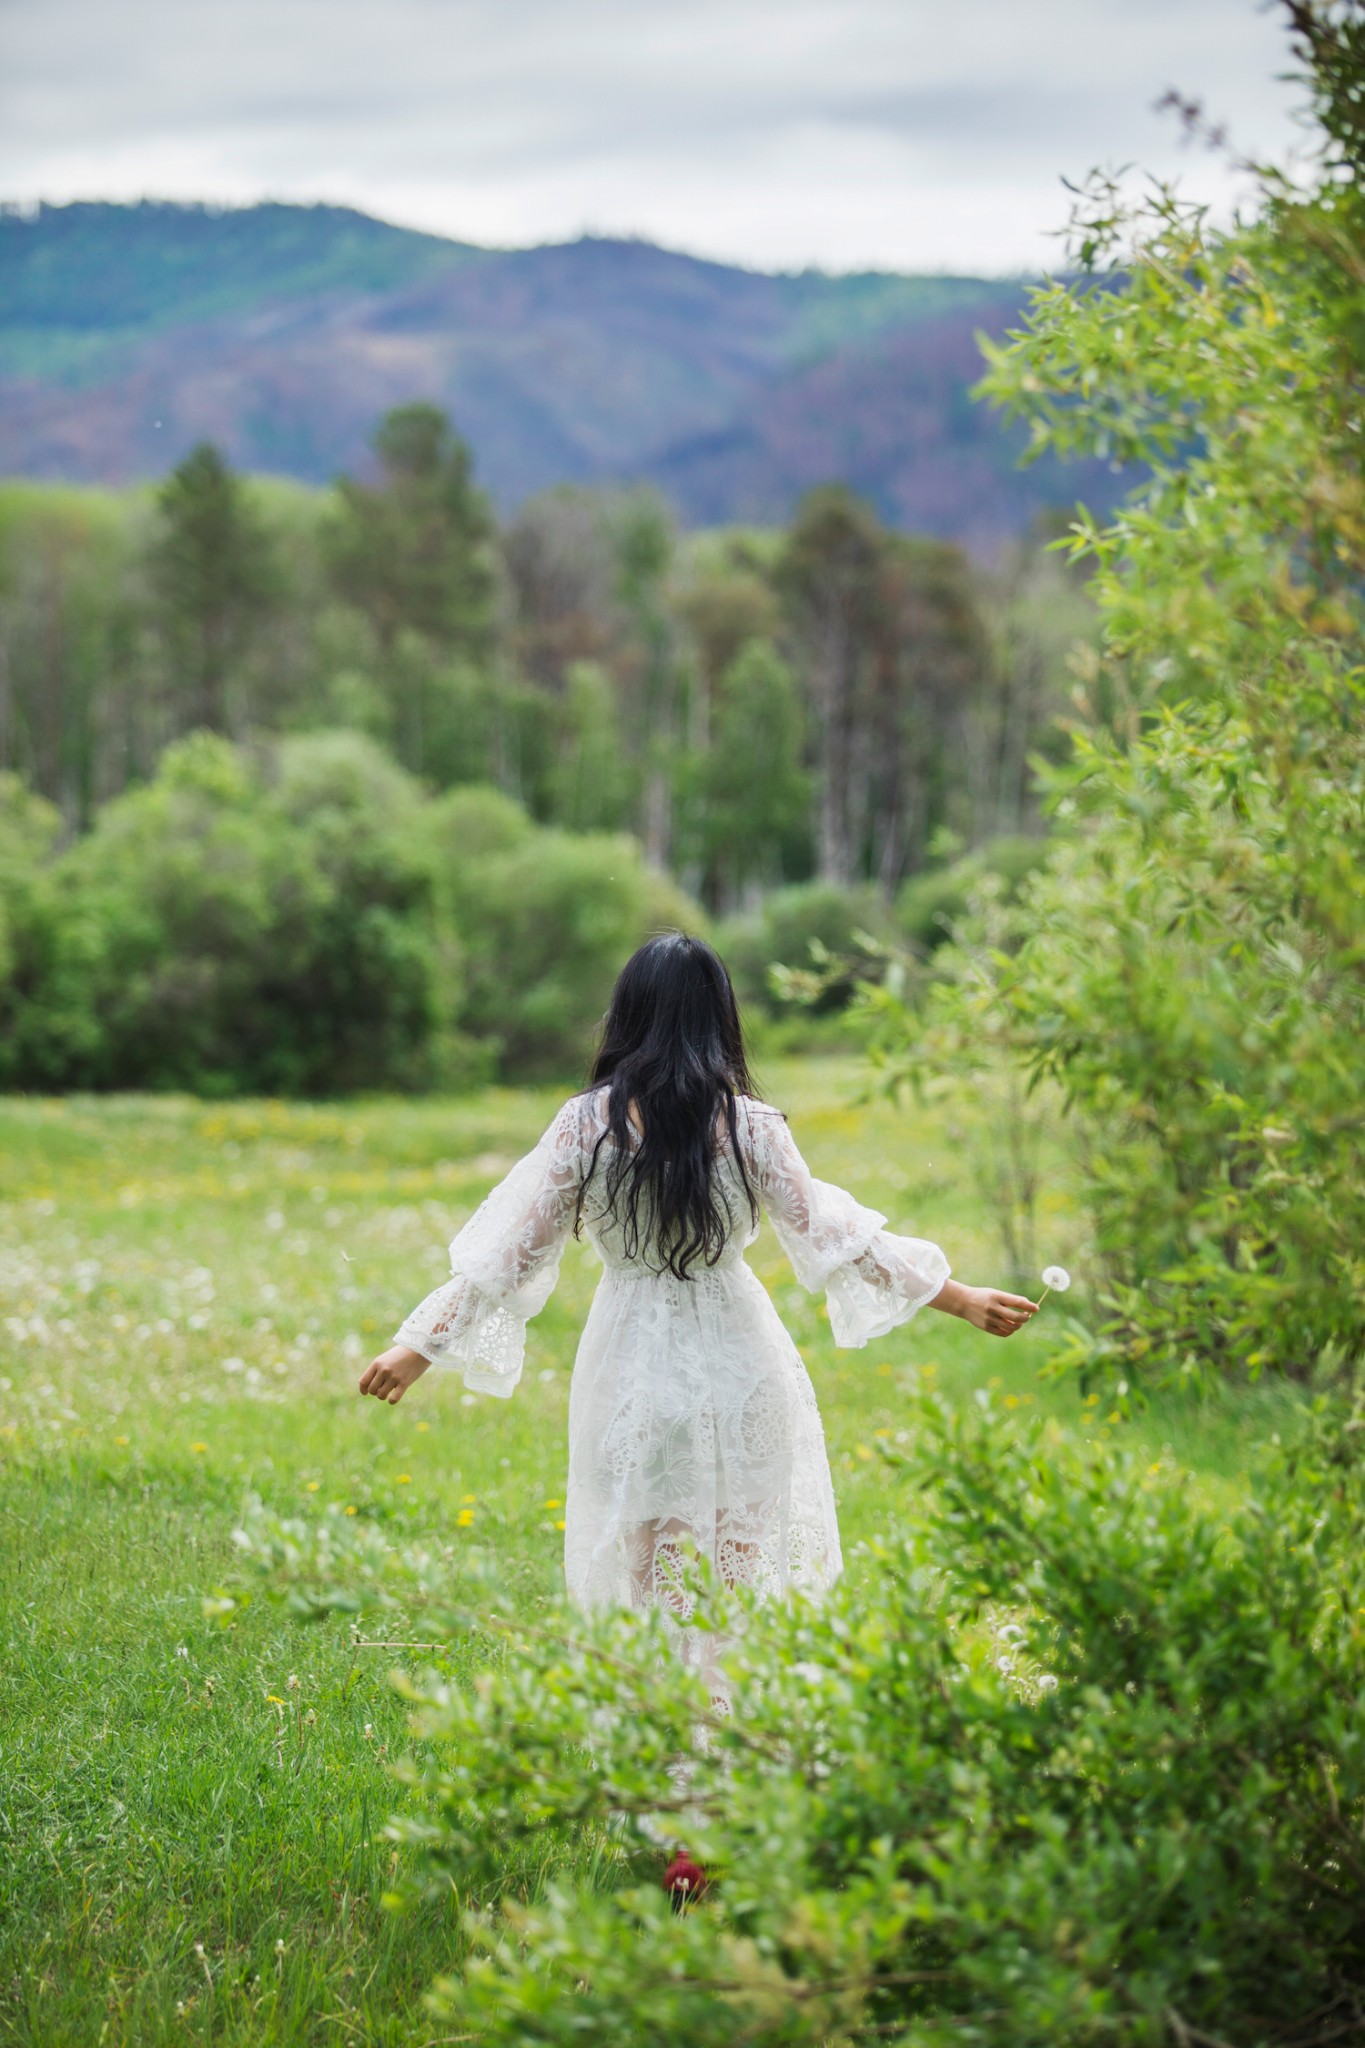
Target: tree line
835,703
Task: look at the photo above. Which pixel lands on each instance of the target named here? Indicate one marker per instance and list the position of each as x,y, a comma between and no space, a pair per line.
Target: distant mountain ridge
127,333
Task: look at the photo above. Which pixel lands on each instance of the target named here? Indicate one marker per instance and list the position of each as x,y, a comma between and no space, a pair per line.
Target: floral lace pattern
693,1424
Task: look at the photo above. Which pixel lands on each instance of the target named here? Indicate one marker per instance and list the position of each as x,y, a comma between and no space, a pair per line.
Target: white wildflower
1056,1279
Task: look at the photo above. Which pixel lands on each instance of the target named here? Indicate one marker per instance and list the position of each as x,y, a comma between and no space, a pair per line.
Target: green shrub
29,829
929,905
546,920
1075,1761
1191,964
237,927
781,931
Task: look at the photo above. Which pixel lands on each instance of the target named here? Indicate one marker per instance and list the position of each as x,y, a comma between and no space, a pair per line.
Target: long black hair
672,1044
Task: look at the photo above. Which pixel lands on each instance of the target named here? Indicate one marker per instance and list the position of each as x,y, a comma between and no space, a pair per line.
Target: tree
889,633
829,576
931,661
558,558
751,790
1191,967
642,532
415,553
211,569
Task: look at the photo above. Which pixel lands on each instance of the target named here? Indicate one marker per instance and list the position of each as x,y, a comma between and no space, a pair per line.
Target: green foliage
606,672
1190,966
308,920
210,565
227,929
928,906
592,784
750,789
813,924
29,828
546,924
414,551
1076,1761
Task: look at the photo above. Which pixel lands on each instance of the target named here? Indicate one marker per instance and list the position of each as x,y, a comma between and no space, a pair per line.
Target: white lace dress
691,1415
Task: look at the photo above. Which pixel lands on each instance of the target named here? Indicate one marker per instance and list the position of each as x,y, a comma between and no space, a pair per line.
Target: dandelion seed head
1057,1278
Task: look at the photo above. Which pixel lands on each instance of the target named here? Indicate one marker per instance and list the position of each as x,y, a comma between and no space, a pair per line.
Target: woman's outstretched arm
504,1264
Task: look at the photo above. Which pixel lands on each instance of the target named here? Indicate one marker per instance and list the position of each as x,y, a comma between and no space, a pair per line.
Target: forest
311,790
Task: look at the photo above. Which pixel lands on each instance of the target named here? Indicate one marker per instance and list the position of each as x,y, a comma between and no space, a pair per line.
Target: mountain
127,333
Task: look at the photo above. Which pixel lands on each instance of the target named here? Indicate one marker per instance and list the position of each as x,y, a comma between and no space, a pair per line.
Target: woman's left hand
987,1308
389,1376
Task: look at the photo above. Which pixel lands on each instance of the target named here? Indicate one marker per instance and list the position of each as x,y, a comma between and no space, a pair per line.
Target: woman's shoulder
757,1123
754,1106
580,1114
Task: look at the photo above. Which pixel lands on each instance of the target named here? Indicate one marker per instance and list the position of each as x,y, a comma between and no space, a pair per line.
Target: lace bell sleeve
873,1279
504,1264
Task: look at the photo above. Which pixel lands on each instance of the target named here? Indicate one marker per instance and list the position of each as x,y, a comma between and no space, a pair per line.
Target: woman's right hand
389,1376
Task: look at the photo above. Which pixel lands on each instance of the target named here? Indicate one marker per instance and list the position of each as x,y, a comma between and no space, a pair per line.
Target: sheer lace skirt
693,1425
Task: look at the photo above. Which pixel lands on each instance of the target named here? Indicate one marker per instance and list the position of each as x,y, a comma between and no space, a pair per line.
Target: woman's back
734,1181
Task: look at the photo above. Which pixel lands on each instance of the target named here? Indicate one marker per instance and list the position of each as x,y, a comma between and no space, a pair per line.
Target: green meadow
192,1811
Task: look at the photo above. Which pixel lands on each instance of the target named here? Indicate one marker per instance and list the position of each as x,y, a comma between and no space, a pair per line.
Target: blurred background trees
776,729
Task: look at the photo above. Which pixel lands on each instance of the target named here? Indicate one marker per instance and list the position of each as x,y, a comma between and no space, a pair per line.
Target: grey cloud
854,116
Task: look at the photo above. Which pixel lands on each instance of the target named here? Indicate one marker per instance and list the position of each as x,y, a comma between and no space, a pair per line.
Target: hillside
282,332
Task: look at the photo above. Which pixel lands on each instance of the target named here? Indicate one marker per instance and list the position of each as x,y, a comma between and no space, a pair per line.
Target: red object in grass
685,1880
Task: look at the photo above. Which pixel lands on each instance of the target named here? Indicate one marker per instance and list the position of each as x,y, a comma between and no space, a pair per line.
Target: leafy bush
783,930
234,927
1191,969
1076,1760
547,919
928,905
29,828
307,921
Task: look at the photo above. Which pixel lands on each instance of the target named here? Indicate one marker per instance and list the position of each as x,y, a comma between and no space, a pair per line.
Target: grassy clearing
191,1817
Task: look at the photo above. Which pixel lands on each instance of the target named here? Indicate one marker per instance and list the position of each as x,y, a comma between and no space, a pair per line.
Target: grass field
191,1816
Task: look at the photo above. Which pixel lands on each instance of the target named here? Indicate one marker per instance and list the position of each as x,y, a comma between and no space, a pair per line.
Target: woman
692,1420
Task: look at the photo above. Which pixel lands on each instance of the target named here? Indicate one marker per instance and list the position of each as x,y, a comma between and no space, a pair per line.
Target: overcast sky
905,134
